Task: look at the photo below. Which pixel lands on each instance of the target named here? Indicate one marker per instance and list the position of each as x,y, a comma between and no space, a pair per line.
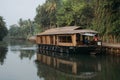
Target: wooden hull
83,49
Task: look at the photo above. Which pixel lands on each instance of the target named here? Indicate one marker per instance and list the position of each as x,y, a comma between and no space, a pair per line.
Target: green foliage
42,16
64,12
13,31
107,19
3,29
24,29
46,14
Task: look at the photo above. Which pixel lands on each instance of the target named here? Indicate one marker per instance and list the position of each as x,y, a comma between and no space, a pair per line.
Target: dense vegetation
24,29
100,15
56,13
3,29
107,19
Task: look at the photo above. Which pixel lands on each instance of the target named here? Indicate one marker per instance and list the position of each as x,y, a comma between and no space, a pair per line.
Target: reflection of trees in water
3,53
110,68
19,42
27,54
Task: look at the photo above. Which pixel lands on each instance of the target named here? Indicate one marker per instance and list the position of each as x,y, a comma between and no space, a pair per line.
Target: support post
74,39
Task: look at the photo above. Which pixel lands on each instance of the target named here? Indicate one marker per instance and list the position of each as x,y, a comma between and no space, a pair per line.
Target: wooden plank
47,39
74,39
65,44
54,40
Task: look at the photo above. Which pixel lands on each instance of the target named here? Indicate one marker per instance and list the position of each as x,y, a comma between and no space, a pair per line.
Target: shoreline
111,48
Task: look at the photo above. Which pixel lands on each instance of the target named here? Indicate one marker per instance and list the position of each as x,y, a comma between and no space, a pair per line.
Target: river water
22,61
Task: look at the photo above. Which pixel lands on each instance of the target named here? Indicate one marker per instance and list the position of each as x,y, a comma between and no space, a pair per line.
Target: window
65,39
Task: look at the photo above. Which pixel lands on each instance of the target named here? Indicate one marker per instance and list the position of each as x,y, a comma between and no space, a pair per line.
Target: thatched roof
66,30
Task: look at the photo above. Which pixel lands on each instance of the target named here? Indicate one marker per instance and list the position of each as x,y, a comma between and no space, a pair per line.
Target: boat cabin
67,36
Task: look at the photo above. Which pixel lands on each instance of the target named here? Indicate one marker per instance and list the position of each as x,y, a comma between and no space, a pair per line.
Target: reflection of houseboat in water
69,39
67,64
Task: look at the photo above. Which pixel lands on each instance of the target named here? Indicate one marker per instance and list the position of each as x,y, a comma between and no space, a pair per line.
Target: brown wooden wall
54,40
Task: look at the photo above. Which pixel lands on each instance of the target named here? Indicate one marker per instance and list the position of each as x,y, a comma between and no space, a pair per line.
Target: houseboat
69,39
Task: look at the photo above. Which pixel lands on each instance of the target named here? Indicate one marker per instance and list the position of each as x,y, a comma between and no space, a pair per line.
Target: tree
24,29
14,31
42,16
3,29
64,12
77,12
106,19
51,6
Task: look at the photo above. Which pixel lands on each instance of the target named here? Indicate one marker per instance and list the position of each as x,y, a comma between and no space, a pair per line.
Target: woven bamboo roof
66,30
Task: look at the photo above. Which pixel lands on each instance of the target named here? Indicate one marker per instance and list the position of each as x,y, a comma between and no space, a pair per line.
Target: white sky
13,10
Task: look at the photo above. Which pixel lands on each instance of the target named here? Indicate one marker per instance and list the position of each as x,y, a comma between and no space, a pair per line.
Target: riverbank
111,45
111,48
